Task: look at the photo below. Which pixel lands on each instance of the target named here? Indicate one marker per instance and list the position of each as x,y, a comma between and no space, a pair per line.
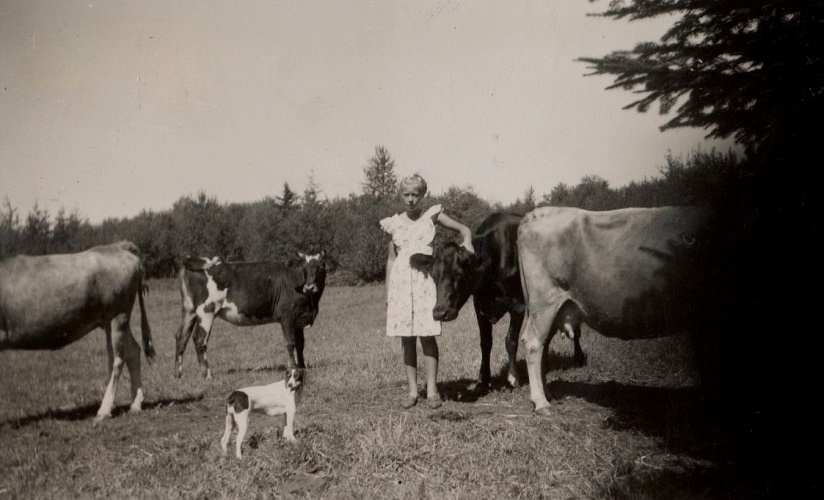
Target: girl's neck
414,213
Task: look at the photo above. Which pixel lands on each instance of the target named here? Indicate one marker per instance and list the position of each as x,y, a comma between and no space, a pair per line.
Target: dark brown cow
630,273
492,278
50,301
245,294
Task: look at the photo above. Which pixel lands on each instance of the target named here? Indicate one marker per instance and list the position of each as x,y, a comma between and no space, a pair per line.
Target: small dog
278,398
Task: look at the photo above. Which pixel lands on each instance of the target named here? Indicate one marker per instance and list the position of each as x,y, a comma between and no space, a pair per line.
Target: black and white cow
246,294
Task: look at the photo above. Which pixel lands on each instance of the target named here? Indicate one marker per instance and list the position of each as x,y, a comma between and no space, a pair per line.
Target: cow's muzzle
310,288
444,314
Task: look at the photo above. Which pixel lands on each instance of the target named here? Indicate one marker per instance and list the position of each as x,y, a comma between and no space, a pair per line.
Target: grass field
625,426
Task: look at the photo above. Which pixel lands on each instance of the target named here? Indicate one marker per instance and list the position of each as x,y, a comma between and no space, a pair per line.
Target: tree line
275,228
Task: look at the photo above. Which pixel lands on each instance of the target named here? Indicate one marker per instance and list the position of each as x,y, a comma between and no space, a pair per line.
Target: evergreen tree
9,229
559,196
288,198
381,180
311,191
65,232
753,70
36,231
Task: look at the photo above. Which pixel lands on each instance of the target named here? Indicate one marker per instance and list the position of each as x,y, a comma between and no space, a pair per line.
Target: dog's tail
238,400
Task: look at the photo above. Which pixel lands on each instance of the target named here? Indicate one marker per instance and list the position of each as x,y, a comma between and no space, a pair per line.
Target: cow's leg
537,334
131,353
115,340
201,338
485,332
516,319
299,342
289,338
187,326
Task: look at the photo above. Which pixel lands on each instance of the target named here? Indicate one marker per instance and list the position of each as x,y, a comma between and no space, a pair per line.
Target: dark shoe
434,402
410,401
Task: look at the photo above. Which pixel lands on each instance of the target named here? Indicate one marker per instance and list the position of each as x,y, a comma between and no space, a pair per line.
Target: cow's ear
199,263
421,262
192,263
467,258
330,264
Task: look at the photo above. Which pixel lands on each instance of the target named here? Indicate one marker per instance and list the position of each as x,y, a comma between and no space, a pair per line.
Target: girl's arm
390,259
450,223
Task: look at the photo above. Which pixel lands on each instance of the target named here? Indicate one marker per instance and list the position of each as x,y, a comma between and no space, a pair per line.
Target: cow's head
200,263
456,272
314,271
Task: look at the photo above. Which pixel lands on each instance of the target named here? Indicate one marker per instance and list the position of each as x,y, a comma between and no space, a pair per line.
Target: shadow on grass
90,410
462,390
259,369
469,391
683,480
674,413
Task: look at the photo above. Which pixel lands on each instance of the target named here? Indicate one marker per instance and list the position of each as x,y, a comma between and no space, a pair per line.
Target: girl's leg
430,356
410,364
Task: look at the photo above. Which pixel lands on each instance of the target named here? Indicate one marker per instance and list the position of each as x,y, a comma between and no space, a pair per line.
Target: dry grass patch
625,426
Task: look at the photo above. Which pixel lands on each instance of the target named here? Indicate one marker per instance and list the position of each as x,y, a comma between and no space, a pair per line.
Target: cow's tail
148,346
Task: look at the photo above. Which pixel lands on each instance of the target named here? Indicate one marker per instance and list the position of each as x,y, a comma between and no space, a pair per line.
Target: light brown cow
50,301
630,273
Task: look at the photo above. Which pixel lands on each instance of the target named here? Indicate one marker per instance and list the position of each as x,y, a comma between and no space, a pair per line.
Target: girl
410,294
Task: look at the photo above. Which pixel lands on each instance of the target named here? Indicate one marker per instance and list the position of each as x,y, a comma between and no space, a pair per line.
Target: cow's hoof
101,417
512,381
544,411
479,387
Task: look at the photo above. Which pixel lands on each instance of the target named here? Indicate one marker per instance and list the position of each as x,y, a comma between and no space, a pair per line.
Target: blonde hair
416,180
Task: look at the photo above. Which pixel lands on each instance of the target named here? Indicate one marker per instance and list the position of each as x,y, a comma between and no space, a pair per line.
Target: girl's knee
430,346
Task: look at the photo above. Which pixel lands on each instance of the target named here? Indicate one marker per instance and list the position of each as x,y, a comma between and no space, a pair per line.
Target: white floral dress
411,293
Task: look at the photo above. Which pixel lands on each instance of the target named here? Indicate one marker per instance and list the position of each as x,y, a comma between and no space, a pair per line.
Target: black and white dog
278,398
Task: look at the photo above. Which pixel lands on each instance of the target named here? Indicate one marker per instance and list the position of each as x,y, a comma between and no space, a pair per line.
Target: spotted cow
245,294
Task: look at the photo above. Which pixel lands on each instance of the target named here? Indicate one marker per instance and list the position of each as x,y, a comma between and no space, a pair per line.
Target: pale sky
113,107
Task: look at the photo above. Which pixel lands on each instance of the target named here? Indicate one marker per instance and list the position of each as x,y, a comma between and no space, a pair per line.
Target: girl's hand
468,245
